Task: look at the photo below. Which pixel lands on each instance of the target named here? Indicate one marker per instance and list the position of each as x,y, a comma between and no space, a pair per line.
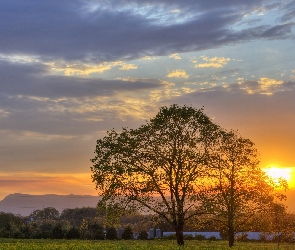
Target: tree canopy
160,166
238,188
180,165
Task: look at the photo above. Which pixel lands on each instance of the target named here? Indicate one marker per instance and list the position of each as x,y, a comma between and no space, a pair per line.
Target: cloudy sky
72,69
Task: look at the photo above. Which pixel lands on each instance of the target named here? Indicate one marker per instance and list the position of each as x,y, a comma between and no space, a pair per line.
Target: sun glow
277,172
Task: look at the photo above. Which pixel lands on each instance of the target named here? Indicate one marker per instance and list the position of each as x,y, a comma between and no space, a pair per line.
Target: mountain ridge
25,204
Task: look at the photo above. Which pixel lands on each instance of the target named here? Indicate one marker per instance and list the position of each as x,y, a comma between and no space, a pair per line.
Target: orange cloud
215,62
178,74
175,56
265,83
126,66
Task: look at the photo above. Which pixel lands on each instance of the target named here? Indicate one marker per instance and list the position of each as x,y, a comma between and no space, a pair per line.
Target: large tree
159,167
238,189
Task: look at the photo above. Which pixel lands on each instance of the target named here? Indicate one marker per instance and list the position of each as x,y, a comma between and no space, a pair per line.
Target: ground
16,244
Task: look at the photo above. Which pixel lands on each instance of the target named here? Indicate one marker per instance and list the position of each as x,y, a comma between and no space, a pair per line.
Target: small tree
96,231
276,224
239,188
84,233
48,213
158,167
111,233
76,215
127,234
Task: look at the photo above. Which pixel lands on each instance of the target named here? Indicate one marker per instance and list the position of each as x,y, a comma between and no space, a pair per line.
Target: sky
71,69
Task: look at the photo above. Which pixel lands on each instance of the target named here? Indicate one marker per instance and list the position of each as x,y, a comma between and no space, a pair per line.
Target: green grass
14,244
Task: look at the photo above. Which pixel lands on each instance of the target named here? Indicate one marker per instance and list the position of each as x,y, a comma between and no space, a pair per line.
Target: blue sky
71,70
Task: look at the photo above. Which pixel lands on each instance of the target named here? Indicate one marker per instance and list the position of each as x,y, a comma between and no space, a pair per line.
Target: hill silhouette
24,204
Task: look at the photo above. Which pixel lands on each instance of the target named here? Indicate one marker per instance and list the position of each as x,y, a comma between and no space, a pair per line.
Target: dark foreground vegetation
87,224
42,244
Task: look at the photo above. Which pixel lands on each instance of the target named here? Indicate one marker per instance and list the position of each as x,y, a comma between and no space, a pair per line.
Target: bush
277,238
170,237
111,233
188,237
143,235
242,237
96,231
200,237
127,234
56,232
73,233
288,237
212,238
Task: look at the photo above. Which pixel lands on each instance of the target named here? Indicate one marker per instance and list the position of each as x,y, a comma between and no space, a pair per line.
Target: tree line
88,223
78,223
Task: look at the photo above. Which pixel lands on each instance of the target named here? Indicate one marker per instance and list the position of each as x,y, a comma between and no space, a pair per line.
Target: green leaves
177,161
159,165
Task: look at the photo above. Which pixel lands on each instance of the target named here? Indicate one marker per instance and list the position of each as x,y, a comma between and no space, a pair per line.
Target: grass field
9,244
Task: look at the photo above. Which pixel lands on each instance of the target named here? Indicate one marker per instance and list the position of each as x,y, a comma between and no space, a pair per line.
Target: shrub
73,233
143,235
96,231
200,237
188,237
56,232
127,234
111,233
212,238
170,237
242,237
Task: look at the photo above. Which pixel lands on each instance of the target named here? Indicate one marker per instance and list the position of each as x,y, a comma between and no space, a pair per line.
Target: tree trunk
179,235
231,236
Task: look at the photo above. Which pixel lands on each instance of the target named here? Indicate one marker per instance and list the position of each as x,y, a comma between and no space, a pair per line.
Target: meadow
44,244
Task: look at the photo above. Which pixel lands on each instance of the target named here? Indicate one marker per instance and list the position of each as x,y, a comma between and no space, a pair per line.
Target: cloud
263,86
178,74
215,62
34,101
289,11
126,66
34,80
97,32
266,83
175,56
79,69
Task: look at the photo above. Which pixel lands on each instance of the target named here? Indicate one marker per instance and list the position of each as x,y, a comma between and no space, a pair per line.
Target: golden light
277,172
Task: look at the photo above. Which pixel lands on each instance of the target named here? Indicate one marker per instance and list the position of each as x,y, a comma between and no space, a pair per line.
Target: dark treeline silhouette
87,223
78,223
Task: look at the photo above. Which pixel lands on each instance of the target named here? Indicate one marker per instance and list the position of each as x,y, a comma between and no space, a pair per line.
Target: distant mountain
24,204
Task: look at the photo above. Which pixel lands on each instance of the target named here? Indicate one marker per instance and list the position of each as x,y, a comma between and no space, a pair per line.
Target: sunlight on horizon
276,172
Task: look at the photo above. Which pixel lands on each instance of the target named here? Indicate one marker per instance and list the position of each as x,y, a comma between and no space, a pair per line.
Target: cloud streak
75,30
29,80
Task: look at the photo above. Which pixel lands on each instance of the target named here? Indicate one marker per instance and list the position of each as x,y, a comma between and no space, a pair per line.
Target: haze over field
71,70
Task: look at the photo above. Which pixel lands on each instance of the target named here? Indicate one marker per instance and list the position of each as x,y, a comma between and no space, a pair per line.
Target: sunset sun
277,172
